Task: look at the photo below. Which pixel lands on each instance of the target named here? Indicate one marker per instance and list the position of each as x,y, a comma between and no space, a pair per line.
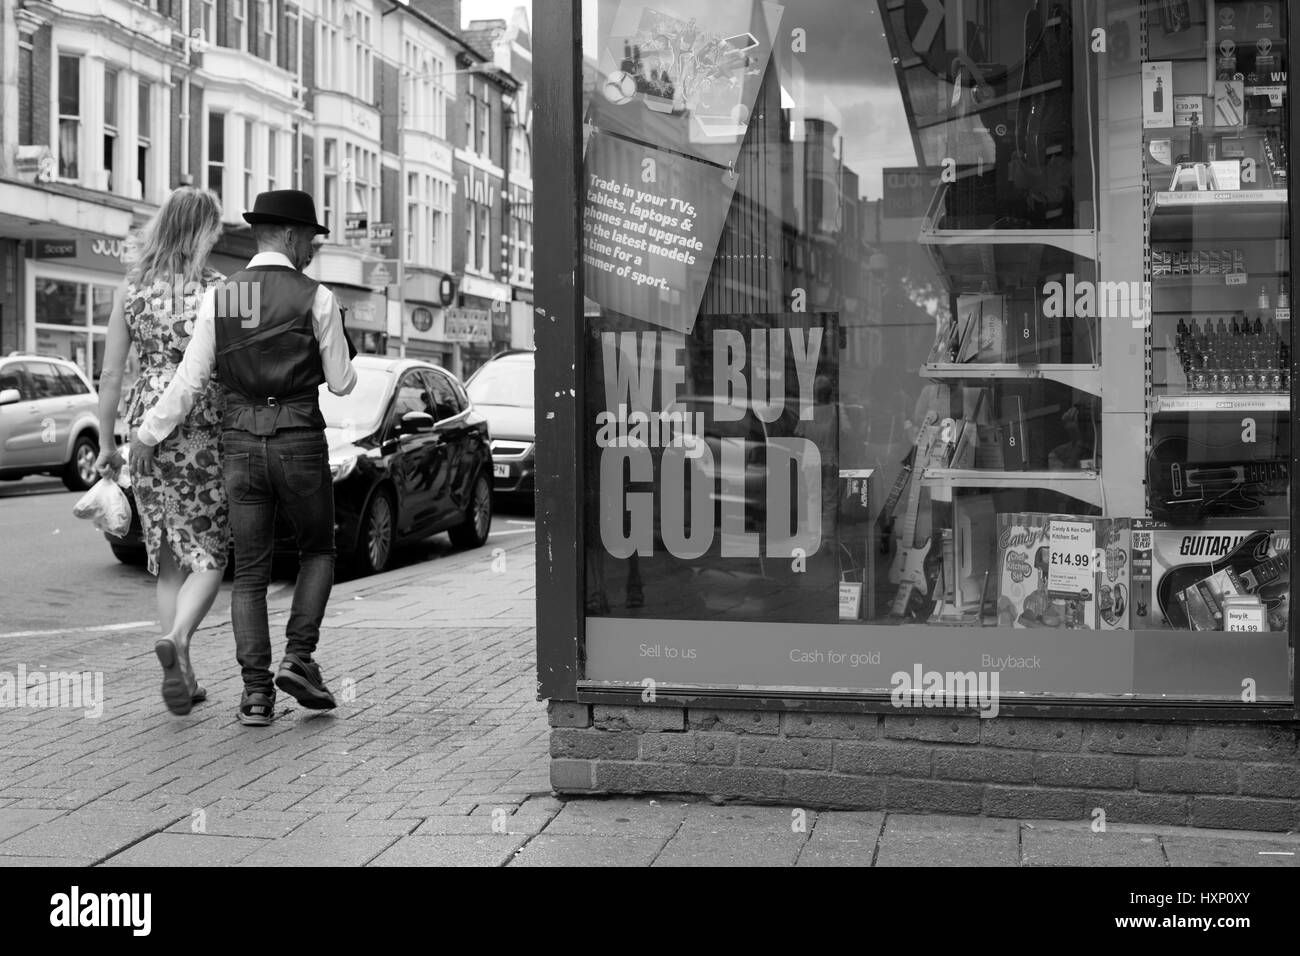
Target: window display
951,333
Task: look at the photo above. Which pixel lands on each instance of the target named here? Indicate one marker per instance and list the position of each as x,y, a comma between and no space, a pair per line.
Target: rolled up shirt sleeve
340,376
190,380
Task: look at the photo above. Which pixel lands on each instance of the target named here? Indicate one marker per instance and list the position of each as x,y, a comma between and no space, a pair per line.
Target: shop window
1005,392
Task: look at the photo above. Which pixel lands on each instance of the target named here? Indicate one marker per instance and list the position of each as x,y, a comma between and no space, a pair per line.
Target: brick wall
1225,775
42,82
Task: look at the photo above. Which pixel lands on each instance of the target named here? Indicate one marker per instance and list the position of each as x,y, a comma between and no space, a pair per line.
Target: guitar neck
1238,473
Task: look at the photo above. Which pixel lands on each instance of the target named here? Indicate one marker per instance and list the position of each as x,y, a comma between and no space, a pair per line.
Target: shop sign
446,290
101,252
422,318
651,225
908,191
355,225
468,326
380,275
56,248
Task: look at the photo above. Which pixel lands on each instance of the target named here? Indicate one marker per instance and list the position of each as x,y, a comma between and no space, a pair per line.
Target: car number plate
500,471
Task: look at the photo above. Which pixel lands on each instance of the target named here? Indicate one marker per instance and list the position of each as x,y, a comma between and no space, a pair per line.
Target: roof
482,34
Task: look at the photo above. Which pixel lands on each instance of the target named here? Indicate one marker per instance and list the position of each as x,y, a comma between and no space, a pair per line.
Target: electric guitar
1182,489
1249,563
885,520
916,567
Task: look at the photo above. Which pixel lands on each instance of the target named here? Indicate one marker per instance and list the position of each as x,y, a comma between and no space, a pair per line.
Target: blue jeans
286,472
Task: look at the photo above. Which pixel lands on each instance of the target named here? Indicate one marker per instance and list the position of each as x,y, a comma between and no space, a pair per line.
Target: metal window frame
559,328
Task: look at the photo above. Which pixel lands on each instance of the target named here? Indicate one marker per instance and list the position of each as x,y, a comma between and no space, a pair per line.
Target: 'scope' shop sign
714,432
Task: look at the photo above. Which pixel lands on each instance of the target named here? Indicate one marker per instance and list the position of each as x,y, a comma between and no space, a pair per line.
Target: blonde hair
177,240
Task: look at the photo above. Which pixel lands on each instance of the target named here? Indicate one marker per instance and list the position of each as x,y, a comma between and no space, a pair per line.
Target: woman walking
182,502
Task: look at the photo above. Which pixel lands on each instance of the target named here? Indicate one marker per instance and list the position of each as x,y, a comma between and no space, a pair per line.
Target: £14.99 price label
1069,568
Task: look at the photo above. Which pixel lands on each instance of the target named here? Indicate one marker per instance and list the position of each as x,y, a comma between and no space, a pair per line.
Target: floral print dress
184,500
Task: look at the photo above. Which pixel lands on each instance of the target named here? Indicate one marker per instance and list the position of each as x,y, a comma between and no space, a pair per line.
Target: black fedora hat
290,207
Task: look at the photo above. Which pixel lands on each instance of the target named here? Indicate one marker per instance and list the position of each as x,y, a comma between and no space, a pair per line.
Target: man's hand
142,455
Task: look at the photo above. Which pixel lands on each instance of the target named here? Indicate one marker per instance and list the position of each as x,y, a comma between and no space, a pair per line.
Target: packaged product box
1033,590
1114,577
1181,576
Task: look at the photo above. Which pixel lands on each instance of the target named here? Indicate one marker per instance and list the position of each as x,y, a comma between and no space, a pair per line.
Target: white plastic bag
105,504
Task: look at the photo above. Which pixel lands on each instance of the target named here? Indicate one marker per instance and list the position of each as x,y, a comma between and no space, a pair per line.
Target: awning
33,212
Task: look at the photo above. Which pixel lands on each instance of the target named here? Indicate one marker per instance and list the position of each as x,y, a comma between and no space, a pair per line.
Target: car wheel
79,474
473,531
132,556
377,534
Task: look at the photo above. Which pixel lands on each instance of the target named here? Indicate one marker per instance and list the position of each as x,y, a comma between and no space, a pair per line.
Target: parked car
49,420
410,458
502,389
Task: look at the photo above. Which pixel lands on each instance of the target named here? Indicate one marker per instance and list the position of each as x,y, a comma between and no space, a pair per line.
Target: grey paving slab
619,818
238,824
1198,850
318,851
463,849
734,836
546,850
918,840
71,840
14,822
186,849
842,839
332,825
1077,845
45,861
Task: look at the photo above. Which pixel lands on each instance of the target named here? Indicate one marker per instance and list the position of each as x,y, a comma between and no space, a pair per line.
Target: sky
490,9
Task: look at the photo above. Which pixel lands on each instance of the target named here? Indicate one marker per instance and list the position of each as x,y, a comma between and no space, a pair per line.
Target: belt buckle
272,402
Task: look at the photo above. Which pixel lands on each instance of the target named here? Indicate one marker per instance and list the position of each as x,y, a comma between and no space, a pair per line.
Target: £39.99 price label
1069,568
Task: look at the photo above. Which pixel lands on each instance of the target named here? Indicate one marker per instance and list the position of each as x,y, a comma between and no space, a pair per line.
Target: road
57,573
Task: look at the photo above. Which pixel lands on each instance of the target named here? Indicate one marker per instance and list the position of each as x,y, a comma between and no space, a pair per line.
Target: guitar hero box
1168,560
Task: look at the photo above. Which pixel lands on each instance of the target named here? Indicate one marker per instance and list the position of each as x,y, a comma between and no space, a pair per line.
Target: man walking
272,336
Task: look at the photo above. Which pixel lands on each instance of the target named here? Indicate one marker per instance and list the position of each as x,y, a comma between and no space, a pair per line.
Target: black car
503,391
410,457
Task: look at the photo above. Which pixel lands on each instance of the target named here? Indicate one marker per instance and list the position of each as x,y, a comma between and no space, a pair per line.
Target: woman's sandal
175,688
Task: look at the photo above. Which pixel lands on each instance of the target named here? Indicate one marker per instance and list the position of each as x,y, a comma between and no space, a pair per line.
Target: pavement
437,755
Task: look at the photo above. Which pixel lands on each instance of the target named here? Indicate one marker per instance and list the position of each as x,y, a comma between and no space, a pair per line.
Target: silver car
49,420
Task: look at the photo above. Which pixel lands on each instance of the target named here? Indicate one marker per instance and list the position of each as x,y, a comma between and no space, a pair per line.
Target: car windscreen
503,383
361,408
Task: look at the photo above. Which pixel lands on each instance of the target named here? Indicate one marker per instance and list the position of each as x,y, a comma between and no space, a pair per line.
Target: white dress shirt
200,356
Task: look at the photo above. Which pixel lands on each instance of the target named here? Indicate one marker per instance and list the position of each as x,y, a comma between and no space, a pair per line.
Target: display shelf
1220,281
1085,378
1083,485
1228,214
1165,404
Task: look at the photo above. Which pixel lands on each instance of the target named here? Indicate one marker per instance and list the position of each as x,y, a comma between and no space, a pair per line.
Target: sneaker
301,679
256,709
